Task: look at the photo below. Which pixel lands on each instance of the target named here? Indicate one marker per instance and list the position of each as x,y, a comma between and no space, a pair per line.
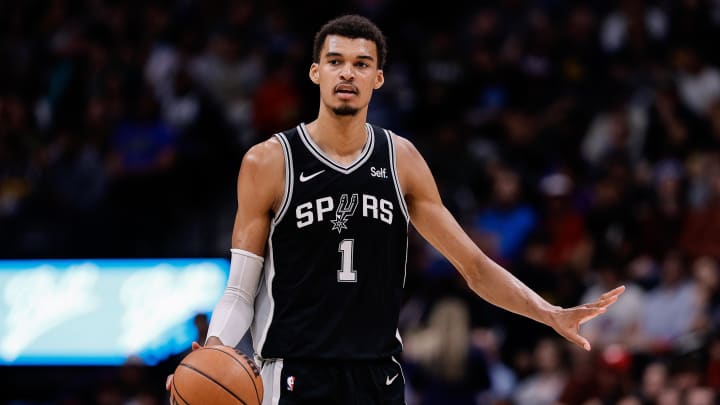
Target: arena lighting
102,312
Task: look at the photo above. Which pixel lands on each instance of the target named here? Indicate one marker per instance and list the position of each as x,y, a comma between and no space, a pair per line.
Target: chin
345,110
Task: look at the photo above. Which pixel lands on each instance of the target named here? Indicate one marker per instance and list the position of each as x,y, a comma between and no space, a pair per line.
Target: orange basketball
218,375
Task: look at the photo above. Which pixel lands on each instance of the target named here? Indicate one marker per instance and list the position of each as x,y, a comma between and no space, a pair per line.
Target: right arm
260,188
484,276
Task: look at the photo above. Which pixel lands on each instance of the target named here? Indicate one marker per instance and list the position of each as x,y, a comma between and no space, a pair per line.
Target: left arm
484,276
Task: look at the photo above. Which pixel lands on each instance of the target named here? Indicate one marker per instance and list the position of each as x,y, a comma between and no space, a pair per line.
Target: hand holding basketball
218,375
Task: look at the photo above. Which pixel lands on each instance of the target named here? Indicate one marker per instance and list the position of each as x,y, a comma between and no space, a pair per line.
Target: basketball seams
254,372
177,395
202,373
253,366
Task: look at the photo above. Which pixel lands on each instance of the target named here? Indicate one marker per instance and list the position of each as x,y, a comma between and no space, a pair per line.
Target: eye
334,62
362,64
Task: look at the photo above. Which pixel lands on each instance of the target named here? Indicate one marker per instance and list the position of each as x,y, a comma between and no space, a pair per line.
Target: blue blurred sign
100,312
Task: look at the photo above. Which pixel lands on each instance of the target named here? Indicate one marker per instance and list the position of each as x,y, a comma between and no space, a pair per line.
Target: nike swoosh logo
304,178
389,380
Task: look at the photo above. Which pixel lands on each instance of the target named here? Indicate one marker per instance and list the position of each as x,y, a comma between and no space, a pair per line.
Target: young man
320,242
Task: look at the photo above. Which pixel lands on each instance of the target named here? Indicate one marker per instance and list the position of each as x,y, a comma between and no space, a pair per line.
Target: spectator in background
701,396
633,24
617,130
610,216
443,365
276,102
502,377
505,223
654,379
563,223
230,70
712,370
672,129
603,377
698,82
713,138
669,396
545,384
522,144
706,272
700,230
670,311
143,144
18,154
143,154
663,211
76,174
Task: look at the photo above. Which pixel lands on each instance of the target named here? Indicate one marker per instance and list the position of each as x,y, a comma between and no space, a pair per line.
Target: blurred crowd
578,142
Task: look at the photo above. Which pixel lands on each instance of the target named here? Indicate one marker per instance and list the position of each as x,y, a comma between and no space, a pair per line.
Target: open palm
567,321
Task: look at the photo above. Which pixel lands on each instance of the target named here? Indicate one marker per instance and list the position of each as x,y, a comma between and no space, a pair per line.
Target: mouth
346,90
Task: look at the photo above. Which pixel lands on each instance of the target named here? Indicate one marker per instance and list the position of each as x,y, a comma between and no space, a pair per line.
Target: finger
195,345
168,382
603,302
614,292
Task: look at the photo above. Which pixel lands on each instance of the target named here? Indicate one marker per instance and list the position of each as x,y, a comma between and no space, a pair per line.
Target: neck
341,137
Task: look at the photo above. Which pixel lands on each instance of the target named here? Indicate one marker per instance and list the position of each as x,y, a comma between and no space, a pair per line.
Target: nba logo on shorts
291,383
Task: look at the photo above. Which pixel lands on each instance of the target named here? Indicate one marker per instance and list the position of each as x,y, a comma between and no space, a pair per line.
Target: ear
314,73
379,80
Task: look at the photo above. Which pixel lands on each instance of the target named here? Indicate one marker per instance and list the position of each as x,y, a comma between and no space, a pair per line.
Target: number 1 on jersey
346,274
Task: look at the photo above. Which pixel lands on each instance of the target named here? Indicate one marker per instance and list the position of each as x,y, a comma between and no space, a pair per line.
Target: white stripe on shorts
271,374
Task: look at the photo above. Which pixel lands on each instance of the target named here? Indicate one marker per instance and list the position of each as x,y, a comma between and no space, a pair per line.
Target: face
347,74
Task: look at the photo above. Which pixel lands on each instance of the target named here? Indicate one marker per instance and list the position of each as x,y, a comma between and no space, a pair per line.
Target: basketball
218,375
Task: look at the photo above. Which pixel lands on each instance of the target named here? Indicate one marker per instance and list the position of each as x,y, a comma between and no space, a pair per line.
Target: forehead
349,47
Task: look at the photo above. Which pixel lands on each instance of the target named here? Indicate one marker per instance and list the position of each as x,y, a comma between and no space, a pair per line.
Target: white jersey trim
401,199
289,179
396,180
321,156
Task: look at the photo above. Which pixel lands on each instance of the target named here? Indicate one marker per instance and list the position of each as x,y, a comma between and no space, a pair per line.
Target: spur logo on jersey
380,173
344,211
319,210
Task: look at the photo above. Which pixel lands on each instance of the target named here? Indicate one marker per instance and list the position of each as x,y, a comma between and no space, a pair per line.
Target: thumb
580,341
196,345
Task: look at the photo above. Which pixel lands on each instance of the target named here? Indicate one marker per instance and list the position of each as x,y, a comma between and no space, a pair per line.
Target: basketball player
320,242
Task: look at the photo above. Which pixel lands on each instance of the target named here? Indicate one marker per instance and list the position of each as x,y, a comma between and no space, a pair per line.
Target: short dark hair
351,26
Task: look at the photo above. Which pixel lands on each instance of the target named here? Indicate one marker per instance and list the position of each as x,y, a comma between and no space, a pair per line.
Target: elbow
238,295
475,274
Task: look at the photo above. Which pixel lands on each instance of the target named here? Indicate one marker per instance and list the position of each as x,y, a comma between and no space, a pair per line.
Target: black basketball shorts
330,382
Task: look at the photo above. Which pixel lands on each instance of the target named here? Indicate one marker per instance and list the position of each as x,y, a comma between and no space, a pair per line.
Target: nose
347,73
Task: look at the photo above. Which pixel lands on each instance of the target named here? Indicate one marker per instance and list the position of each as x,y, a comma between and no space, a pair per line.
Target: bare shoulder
262,174
265,155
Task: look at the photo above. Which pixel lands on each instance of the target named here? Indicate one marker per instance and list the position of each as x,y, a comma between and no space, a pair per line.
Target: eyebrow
331,54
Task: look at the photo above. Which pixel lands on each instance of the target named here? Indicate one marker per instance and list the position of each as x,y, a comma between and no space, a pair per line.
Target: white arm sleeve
234,311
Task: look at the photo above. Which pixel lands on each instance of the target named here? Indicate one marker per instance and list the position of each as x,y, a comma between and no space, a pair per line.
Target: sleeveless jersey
334,269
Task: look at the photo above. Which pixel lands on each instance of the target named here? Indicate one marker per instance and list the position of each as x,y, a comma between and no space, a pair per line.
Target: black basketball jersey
335,263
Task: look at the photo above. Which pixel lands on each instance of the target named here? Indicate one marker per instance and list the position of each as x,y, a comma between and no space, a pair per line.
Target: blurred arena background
577,141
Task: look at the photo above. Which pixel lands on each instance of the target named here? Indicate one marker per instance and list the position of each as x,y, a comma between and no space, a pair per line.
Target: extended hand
567,321
169,380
